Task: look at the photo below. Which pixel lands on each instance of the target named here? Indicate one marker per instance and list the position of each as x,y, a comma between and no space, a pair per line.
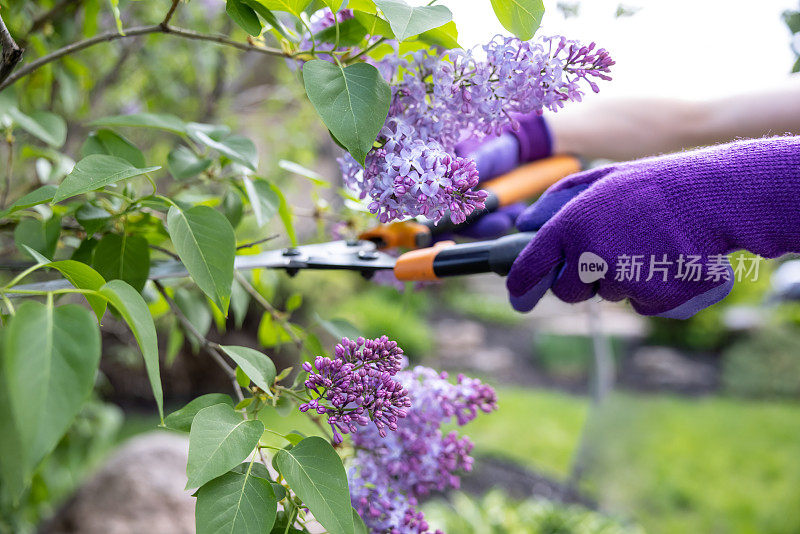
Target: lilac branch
77,46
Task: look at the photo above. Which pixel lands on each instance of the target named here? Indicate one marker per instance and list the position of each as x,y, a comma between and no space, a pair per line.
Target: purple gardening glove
674,216
497,155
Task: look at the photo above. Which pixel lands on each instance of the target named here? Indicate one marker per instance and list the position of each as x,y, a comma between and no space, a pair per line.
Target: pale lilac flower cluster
437,99
356,386
409,176
390,473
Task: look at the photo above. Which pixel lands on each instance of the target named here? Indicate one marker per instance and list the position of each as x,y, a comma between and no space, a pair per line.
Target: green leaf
295,7
41,236
334,5
82,276
34,198
353,102
285,213
263,199
218,441
407,21
358,523
182,419
244,381
169,123
316,474
112,144
351,32
123,257
244,16
240,302
195,307
520,17
257,365
445,36
115,11
92,218
132,307
43,125
182,163
51,356
95,172
270,333
296,168
232,207
205,242
239,149
374,24
294,302
267,15
236,503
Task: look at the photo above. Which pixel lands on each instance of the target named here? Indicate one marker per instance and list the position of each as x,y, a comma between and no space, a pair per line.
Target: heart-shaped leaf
352,101
206,244
95,172
407,21
218,441
236,503
50,361
316,474
256,365
520,17
182,419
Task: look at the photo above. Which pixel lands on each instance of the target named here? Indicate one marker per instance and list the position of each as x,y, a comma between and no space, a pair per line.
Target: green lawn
674,465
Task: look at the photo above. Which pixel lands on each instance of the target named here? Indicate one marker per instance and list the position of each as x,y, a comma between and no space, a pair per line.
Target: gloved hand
669,213
497,155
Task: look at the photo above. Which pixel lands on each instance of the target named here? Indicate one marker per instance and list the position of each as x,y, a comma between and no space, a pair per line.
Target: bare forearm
633,128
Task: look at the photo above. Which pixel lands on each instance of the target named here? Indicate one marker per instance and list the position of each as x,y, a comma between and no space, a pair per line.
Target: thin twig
260,241
12,53
131,32
168,17
276,315
167,252
213,349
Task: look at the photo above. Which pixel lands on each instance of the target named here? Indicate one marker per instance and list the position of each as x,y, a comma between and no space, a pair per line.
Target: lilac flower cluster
356,386
437,99
390,473
409,176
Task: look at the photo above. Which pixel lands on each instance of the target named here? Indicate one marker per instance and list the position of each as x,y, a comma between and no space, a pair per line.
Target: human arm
632,128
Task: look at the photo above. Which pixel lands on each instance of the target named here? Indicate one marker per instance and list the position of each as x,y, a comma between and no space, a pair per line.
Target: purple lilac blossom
390,473
437,99
356,386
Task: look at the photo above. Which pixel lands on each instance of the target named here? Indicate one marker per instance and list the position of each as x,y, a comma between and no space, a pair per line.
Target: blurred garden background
700,431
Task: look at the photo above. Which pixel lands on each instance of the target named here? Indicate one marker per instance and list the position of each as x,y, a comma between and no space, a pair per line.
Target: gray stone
138,490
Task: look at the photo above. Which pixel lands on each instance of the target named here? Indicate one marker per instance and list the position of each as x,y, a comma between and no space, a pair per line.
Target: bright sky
678,48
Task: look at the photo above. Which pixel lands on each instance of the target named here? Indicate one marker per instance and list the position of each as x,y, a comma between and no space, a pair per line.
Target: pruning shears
423,262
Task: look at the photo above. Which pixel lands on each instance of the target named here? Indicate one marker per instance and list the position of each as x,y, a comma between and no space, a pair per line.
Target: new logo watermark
591,267
688,268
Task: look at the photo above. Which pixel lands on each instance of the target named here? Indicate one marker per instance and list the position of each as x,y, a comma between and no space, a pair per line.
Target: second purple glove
497,155
656,231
